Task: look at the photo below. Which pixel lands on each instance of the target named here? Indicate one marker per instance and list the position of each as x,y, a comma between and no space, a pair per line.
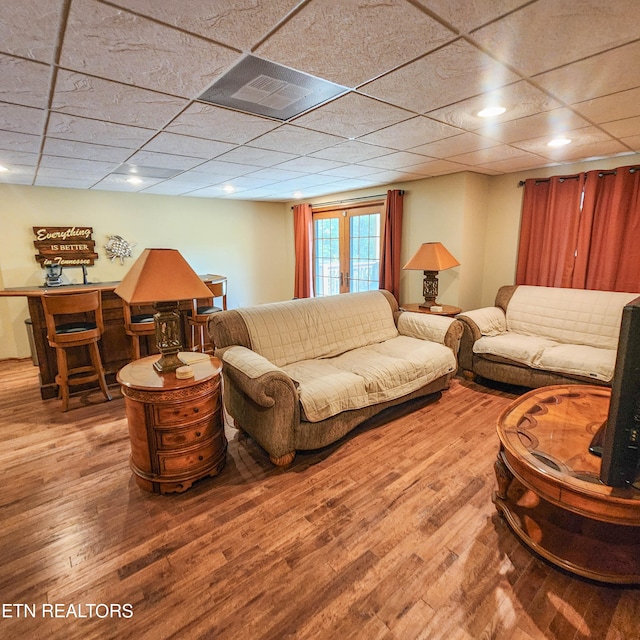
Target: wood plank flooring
389,534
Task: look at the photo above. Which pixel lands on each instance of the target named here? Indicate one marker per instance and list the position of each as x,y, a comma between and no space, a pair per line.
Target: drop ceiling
93,92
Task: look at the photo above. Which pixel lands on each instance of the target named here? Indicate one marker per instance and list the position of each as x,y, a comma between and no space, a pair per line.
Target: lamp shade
161,275
432,256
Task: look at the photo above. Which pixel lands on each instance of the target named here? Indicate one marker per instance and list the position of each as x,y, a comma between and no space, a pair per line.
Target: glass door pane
364,252
327,256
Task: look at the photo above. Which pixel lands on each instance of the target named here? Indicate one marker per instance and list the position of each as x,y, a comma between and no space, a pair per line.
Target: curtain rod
373,197
612,172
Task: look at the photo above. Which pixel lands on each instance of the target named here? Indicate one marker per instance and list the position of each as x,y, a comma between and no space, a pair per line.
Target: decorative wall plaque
118,247
64,246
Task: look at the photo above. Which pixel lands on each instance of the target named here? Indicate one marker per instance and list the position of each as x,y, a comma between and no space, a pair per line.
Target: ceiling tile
96,131
22,82
18,175
350,151
491,154
81,95
521,163
436,167
600,75
13,158
466,15
103,41
275,174
216,123
14,141
396,160
175,144
459,70
352,116
352,171
22,119
225,169
625,104
29,28
258,157
307,164
411,133
520,99
56,165
163,160
84,150
236,23
581,138
623,128
455,144
549,33
115,182
633,142
295,140
551,123
66,182
341,38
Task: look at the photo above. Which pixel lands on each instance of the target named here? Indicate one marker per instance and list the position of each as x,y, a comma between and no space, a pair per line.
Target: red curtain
549,231
303,243
608,252
391,242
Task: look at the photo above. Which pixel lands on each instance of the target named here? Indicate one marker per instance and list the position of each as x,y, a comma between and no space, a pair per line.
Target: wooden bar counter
114,345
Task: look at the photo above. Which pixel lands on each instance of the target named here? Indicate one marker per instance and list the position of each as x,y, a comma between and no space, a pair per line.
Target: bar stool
75,320
200,312
137,325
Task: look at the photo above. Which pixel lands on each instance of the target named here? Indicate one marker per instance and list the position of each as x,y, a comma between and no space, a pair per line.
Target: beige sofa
538,336
300,374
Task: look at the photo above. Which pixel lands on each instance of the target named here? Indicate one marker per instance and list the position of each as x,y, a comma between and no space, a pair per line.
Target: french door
346,247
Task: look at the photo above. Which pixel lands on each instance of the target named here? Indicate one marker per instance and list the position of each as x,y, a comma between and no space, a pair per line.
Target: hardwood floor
390,534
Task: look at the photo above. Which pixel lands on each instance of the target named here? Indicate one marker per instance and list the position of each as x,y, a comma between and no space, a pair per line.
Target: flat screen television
619,441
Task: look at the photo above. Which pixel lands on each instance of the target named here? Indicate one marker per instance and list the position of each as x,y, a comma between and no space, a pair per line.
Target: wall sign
64,246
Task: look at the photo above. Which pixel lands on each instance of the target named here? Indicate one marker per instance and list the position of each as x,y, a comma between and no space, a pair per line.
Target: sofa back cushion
576,316
286,332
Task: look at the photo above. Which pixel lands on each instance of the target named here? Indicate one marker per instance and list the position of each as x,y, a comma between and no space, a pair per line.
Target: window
346,249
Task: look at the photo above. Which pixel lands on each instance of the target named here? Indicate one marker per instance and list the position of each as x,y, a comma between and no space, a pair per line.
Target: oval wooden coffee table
549,489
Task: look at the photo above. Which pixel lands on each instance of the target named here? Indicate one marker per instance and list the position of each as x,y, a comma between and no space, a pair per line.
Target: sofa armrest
435,328
478,323
256,377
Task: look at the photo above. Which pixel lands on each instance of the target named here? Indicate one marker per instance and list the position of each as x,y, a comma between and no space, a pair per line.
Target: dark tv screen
621,443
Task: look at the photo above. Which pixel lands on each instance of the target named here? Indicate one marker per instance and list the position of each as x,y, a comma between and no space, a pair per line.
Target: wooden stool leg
135,346
96,360
62,378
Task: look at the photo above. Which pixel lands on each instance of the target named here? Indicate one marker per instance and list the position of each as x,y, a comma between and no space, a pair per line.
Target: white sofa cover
571,332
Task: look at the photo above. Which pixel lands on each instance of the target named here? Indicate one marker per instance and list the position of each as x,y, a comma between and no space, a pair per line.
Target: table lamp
431,257
162,277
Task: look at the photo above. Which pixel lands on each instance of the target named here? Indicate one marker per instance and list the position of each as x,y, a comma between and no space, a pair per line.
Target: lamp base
168,362
167,321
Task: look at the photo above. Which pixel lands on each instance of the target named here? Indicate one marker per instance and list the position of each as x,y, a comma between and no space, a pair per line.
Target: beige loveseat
538,336
300,374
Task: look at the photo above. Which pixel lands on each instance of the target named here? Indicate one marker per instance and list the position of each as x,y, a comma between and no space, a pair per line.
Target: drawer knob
196,410
200,458
198,434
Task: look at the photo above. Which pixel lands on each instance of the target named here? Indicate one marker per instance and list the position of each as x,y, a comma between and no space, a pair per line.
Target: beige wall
248,242
476,217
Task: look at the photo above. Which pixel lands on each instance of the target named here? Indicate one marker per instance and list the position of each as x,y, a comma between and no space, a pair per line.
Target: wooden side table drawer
187,461
180,412
172,438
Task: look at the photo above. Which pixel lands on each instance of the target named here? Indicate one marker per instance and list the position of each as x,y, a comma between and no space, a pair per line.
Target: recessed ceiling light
559,142
228,188
490,112
297,195
134,180
3,168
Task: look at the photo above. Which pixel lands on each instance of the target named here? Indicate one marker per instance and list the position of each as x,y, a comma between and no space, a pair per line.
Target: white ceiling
88,85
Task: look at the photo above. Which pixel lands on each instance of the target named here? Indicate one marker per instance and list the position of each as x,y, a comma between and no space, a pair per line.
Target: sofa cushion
368,375
580,360
287,332
513,346
573,316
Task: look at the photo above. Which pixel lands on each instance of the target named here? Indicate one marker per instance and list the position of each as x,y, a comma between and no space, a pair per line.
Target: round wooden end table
549,490
176,426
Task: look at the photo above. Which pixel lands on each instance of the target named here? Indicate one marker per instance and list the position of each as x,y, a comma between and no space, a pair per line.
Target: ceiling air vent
268,89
